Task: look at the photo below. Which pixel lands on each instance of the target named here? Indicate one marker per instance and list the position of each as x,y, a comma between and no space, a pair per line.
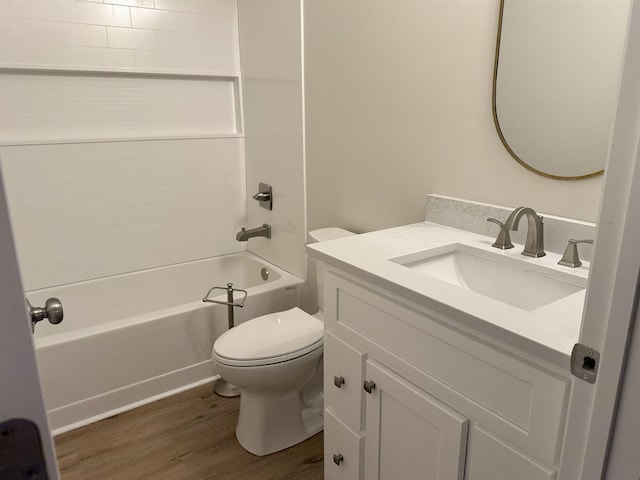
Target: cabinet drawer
520,402
490,459
343,377
343,450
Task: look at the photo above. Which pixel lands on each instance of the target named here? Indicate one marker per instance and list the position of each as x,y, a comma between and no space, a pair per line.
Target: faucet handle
503,241
570,257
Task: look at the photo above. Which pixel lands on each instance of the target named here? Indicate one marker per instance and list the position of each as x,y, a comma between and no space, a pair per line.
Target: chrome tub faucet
262,231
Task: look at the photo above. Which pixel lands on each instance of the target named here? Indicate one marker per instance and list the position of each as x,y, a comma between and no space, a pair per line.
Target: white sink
519,283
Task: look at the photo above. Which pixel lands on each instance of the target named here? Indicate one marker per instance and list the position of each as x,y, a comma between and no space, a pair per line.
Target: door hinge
584,362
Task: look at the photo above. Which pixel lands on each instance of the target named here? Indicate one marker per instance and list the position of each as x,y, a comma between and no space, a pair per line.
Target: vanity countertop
548,332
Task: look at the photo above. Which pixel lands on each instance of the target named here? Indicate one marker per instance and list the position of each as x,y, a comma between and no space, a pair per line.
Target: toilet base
270,422
226,389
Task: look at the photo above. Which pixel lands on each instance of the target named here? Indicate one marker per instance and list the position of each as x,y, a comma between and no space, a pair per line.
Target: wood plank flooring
189,436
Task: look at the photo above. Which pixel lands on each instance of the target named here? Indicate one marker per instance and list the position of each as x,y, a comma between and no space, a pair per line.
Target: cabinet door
342,450
490,458
409,434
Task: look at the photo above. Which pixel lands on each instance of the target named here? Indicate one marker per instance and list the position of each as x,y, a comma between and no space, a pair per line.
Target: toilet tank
331,233
315,273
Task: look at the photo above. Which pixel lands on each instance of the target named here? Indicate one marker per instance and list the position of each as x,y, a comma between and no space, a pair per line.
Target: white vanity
441,366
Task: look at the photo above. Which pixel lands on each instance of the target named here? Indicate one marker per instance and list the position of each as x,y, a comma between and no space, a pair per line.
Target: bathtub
131,339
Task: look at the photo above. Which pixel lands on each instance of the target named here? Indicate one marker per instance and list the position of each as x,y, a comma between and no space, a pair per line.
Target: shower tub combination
130,339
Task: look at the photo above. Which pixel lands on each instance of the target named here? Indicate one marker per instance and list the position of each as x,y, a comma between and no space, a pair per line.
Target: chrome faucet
534,243
262,231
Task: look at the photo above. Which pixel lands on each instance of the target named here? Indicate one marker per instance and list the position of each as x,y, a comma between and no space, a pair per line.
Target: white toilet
276,361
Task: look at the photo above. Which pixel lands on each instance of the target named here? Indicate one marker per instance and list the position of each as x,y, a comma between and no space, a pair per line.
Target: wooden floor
189,436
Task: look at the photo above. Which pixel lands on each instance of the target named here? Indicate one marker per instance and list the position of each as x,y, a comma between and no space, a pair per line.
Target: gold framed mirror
556,80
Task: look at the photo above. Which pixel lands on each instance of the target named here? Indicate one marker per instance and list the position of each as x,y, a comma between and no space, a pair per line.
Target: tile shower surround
175,36
84,207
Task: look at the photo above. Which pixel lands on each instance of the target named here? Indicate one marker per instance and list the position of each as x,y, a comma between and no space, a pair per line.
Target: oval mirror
556,80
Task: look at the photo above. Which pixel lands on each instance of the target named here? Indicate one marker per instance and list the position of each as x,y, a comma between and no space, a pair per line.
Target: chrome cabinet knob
338,458
52,310
369,386
338,381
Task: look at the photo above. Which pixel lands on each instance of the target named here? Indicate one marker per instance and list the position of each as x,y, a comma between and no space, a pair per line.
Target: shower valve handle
262,196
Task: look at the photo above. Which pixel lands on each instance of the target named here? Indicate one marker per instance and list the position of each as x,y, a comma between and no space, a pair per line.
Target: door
409,433
20,393
613,285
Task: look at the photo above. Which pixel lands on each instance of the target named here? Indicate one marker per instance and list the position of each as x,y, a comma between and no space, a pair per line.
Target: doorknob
52,310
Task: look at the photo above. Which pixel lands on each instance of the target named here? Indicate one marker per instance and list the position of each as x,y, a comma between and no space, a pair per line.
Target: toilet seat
269,339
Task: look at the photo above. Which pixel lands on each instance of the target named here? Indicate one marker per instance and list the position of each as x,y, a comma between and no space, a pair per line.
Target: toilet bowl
276,361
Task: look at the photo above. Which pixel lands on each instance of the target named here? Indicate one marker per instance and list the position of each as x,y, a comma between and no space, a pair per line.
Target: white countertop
548,332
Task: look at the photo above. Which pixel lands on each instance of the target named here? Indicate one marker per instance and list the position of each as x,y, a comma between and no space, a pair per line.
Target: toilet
276,361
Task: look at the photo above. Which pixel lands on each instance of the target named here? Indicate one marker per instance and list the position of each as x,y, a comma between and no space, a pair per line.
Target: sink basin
521,284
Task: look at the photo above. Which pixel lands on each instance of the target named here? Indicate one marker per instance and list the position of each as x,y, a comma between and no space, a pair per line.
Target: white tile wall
132,3
69,107
103,14
49,10
89,210
50,32
131,38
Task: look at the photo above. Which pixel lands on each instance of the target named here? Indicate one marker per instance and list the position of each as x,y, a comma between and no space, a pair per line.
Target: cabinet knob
338,458
369,386
338,381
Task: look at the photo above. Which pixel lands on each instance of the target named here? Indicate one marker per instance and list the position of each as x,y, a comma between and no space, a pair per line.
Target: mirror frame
497,122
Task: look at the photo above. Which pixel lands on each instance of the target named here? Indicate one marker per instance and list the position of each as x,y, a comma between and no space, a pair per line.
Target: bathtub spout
263,231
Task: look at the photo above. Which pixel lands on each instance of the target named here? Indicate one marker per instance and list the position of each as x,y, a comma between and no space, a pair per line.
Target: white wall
270,51
398,105
121,134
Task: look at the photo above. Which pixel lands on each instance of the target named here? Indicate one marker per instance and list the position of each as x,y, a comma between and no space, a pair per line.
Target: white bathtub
131,339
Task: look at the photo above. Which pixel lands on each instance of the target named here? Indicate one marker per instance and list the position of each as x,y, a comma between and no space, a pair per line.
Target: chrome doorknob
52,310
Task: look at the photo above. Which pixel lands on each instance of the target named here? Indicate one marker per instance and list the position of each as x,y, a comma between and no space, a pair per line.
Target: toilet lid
270,336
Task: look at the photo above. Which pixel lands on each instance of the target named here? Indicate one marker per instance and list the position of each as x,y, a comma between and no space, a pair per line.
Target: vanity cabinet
409,394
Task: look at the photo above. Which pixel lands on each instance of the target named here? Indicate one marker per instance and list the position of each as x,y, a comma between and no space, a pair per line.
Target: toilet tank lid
331,233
